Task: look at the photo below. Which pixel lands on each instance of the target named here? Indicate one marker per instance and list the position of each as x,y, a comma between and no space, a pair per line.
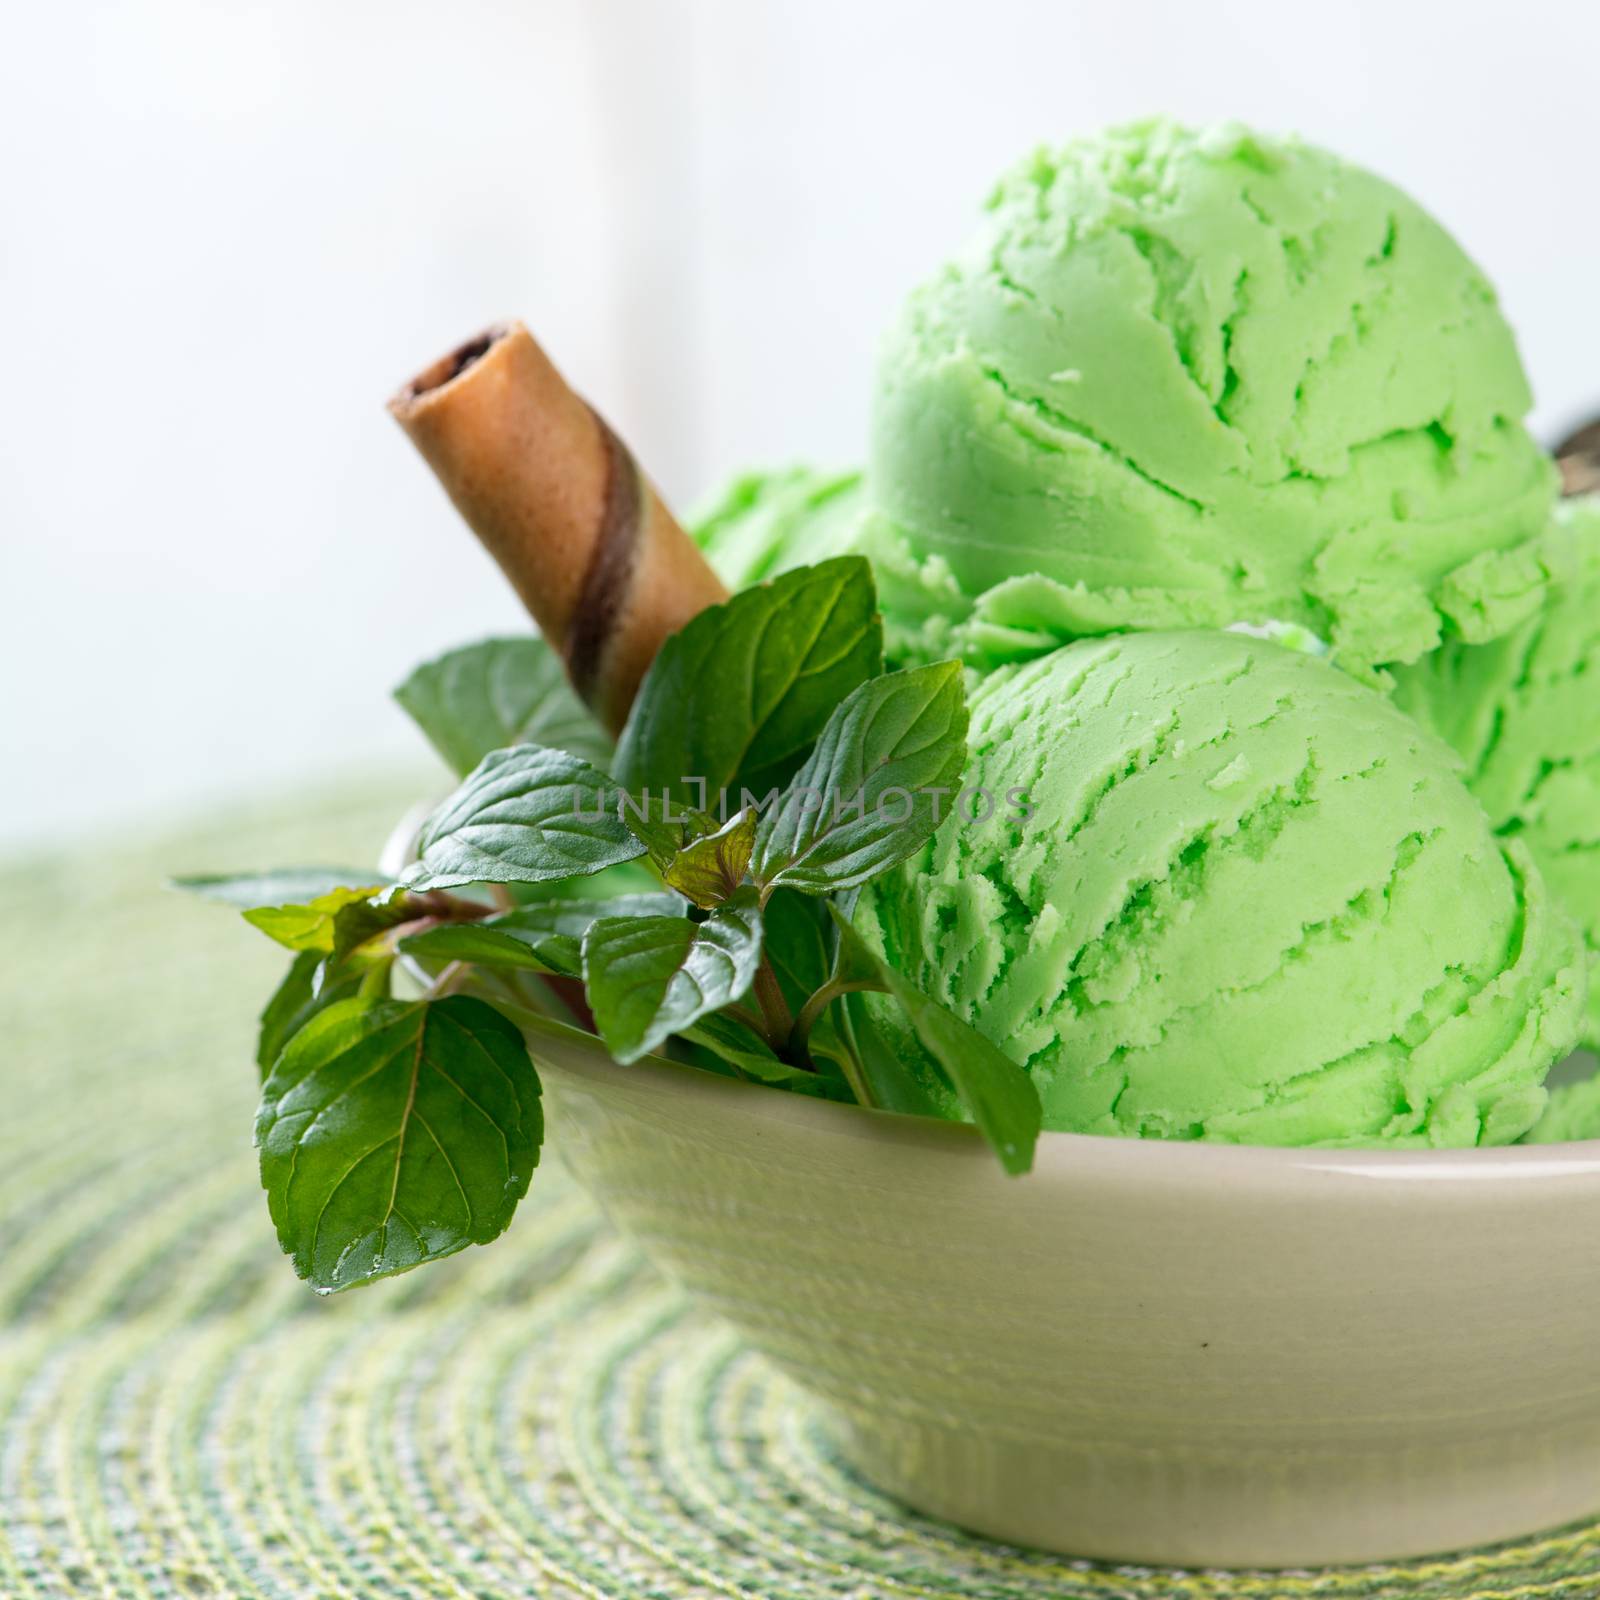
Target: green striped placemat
180,1417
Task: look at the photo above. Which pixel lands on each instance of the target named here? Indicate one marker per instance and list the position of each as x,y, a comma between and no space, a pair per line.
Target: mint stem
774,1008
811,1013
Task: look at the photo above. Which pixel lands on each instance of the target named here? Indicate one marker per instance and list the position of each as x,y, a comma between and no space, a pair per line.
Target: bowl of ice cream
1267,879
1253,906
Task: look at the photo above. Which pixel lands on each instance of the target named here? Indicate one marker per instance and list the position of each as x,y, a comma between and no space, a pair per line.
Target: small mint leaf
884,770
708,870
307,988
662,824
999,1095
246,891
334,923
543,938
738,695
647,977
524,815
500,692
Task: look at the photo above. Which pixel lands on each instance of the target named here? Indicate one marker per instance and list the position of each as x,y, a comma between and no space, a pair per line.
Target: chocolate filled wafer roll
559,502
1578,456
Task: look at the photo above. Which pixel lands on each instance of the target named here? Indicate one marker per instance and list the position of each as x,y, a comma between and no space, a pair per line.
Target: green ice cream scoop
1254,902
1185,379
1524,714
764,523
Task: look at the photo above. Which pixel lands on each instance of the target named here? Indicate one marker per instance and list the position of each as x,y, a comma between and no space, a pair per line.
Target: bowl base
1108,1502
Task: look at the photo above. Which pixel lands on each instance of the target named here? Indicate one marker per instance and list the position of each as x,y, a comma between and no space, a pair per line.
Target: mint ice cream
1524,714
1573,1113
764,523
1254,903
1190,378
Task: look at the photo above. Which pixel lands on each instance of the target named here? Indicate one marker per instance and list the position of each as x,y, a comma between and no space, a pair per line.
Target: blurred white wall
228,228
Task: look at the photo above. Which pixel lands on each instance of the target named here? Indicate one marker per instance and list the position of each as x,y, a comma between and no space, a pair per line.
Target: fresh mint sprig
770,768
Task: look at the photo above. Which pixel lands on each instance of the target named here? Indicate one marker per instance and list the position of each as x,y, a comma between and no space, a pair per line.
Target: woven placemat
180,1417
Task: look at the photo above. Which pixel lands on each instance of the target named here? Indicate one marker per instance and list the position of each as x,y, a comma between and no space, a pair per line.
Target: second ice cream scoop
1254,902
1524,714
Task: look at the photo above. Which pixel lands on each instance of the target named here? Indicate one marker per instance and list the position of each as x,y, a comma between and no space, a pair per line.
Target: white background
228,229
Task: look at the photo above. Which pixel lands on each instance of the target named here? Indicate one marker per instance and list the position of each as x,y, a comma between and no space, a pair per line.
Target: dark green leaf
886,767
307,988
573,917
748,1054
392,1134
626,878
708,870
796,933
526,815
544,938
737,697
741,1047
493,947
648,977
501,692
245,891
998,1094
885,1056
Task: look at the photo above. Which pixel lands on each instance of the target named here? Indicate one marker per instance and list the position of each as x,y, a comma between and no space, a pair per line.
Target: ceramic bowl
1169,1353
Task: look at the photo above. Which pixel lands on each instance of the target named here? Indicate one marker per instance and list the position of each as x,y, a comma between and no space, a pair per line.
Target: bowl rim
1061,1154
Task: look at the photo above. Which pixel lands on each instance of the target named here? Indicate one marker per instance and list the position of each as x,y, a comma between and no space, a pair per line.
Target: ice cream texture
1186,379
764,523
1523,712
1573,1113
1254,902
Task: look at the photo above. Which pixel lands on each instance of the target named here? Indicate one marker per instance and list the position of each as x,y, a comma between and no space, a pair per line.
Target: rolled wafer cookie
1578,456
559,502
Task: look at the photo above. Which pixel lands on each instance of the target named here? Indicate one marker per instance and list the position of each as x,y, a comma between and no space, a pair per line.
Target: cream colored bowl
1174,1353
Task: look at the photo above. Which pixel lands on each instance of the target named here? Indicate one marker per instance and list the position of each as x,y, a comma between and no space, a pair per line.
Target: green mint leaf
307,988
335,923
708,870
392,1134
246,891
648,977
501,692
745,1051
525,815
377,978
738,695
886,768
545,938
661,824
999,1095
886,1056
492,947
796,932
731,1041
